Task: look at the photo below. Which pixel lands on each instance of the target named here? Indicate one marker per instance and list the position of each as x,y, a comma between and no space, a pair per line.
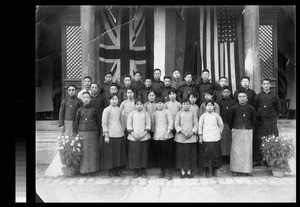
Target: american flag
218,47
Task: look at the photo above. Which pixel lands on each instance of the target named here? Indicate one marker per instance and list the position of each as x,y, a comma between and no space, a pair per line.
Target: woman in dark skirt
186,125
210,129
86,121
163,148
138,127
113,145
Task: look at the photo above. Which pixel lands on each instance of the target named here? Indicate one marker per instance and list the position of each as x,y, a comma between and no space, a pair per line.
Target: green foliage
277,151
70,153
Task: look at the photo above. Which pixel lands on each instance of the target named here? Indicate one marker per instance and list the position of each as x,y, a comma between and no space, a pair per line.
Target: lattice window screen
73,52
266,42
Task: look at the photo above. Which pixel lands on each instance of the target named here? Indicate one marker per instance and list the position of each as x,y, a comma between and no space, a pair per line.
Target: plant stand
278,173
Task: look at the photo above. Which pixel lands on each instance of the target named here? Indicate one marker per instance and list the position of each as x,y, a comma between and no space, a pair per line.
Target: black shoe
144,175
248,174
111,173
170,176
162,173
182,175
119,173
189,176
234,174
136,174
207,172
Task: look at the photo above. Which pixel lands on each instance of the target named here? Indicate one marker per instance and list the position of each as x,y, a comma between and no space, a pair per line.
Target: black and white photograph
165,103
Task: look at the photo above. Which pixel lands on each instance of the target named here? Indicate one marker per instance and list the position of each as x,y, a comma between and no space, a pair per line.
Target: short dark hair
242,91
86,92
138,100
209,91
245,77
109,72
72,85
266,79
184,100
223,77
159,99
113,95
188,73
226,87
96,84
167,77
210,101
172,90
205,70
156,69
89,77
127,76
148,78
114,84
175,70
135,72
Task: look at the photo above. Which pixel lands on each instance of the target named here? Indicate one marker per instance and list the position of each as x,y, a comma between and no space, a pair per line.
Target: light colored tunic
150,108
202,109
195,109
163,121
210,126
187,121
126,107
174,107
112,122
138,122
241,150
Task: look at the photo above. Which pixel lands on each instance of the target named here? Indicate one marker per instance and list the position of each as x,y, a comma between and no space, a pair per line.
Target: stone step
46,125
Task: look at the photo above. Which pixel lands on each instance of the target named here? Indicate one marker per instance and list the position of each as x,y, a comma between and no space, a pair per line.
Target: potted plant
70,153
276,152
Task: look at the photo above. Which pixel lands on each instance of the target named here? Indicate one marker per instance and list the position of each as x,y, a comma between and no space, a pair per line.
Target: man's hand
200,139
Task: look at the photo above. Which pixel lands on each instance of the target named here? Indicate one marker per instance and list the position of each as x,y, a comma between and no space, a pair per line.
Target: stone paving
262,187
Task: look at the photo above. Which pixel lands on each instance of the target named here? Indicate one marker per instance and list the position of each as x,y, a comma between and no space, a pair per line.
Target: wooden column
251,47
88,42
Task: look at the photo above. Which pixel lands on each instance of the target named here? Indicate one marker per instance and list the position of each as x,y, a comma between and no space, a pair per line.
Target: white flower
76,138
67,137
78,149
79,145
72,144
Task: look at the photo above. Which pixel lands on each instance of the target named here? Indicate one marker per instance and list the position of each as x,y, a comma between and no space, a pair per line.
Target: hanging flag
218,43
122,47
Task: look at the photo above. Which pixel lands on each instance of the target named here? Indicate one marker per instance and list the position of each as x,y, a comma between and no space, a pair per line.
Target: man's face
242,97
94,89
172,96
108,78
226,93
127,81
266,85
176,74
157,75
71,91
205,76
167,82
223,82
148,83
188,78
137,77
86,99
87,82
245,83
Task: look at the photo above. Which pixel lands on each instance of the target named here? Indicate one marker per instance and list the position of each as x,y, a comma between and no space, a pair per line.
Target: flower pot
278,173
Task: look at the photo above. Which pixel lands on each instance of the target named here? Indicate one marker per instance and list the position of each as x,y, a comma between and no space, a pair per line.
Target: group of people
187,125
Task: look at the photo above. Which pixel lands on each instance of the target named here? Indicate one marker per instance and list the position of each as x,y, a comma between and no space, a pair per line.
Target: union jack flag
122,43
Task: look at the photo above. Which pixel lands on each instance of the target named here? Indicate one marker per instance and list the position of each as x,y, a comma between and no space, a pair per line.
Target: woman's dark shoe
190,176
143,173
207,172
119,173
136,174
111,173
182,175
170,176
248,174
214,172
